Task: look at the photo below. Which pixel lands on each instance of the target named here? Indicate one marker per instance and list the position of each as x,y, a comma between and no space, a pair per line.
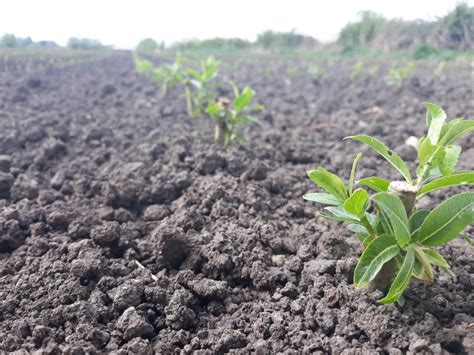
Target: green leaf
377,253
361,233
430,153
419,271
456,130
393,208
402,279
467,239
427,269
450,159
334,218
329,182
235,89
415,221
437,259
447,220
214,110
357,228
447,126
375,183
355,204
323,198
242,101
425,150
195,74
353,170
417,218
435,118
257,108
392,157
341,213
456,179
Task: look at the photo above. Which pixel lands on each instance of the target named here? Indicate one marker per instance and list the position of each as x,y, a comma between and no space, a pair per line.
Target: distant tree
362,32
84,43
272,39
8,40
457,28
147,45
212,43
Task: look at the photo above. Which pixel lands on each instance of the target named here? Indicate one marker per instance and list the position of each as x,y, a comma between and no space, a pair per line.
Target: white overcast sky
123,23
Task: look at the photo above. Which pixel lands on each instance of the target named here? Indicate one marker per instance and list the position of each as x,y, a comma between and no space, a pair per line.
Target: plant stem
370,228
220,126
406,192
384,277
189,103
426,169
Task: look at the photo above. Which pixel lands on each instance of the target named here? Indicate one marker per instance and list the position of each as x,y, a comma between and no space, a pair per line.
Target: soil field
125,230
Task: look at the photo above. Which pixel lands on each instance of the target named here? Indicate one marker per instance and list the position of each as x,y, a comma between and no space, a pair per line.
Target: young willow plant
142,66
358,69
197,87
399,238
228,115
168,76
397,76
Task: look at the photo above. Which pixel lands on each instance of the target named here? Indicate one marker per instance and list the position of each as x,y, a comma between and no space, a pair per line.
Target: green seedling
315,70
399,239
397,76
358,69
373,70
142,66
168,76
439,70
228,115
197,87
292,72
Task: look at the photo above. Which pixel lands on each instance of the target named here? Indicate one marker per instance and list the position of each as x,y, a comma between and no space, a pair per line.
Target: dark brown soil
124,229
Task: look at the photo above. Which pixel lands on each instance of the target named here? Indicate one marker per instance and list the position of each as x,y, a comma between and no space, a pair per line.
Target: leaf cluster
398,75
392,231
234,113
200,93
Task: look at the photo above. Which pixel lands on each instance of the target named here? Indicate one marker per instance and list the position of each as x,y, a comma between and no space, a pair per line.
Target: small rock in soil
11,235
107,234
210,163
5,164
58,220
171,246
179,315
127,295
231,339
6,182
137,346
33,83
208,288
79,229
257,171
108,89
87,268
156,212
134,325
58,179
24,187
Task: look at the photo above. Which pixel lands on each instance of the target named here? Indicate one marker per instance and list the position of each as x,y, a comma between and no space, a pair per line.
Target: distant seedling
398,76
200,95
168,76
358,69
228,115
197,86
399,238
142,66
315,70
